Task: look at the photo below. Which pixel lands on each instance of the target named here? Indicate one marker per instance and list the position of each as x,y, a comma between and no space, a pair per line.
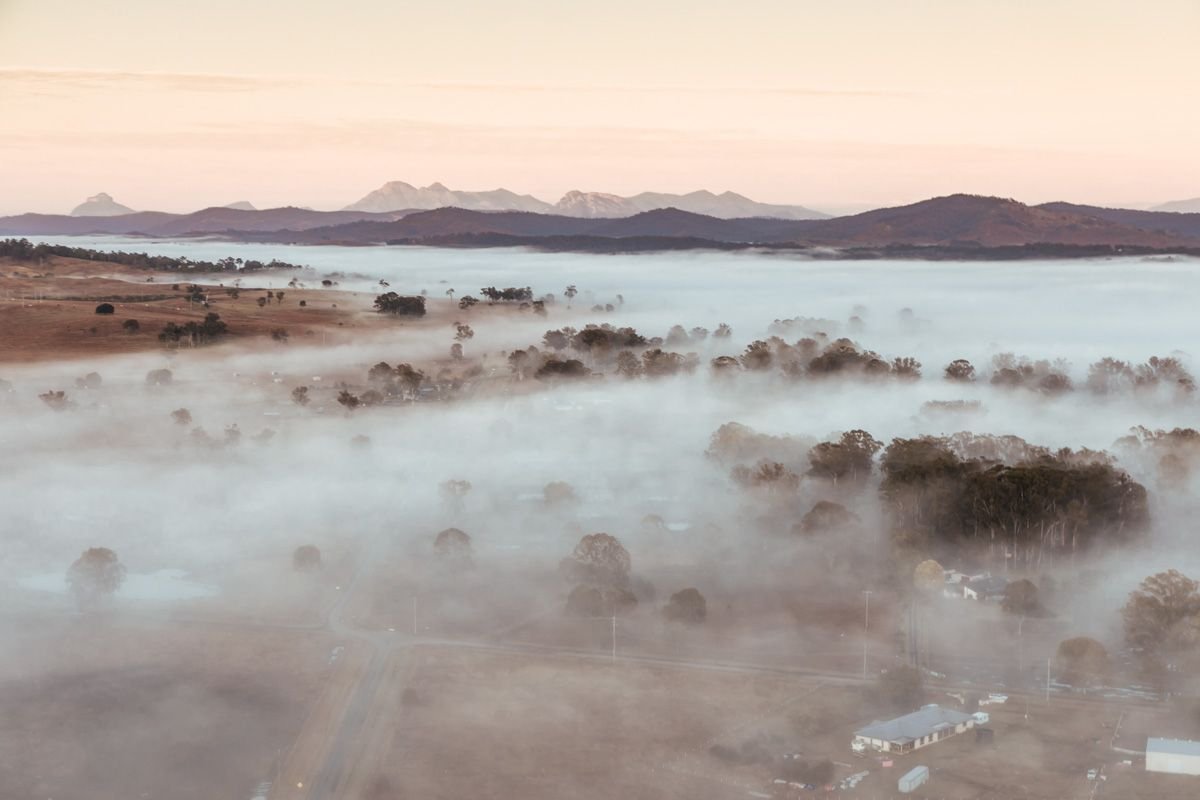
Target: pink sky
178,105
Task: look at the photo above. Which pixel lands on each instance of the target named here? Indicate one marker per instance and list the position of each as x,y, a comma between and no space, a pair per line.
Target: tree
131,326
409,378
56,399
306,558
558,493
95,574
453,546
599,559
262,302
300,395
1109,375
105,308
960,370
348,400
901,687
628,365
456,351
570,293
851,457
280,335
657,363
278,298
758,356
1021,598
195,333
1003,497
769,476
400,305
687,606
558,340
1082,662
906,368
182,416
467,301
826,516
554,368
723,331
1160,615
90,381
463,332
724,365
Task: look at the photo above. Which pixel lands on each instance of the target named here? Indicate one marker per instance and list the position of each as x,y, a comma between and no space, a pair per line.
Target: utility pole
1021,646
866,628
1047,680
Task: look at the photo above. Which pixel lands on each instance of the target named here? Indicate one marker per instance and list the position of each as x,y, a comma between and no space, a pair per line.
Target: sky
180,105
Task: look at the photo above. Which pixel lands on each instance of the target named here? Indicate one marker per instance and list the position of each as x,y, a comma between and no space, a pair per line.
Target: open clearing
100,709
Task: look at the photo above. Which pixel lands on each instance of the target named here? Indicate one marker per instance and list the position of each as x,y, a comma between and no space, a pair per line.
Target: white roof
1181,747
913,726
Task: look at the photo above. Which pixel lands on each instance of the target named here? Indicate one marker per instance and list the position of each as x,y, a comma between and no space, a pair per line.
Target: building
989,588
1174,756
930,724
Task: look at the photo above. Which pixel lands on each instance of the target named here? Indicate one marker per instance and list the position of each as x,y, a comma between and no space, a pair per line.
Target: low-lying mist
228,495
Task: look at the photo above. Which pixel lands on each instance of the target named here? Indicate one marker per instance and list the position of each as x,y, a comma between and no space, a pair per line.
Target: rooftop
913,726
1183,747
992,584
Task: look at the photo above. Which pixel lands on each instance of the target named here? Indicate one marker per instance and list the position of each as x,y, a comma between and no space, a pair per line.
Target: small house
921,728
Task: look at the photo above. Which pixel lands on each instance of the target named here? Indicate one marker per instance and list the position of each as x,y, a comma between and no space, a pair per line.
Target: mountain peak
401,196
100,205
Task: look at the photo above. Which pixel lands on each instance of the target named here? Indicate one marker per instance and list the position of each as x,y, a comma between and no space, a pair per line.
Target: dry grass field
48,311
110,709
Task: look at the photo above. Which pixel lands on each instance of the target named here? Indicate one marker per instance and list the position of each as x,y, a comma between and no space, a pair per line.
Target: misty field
761,438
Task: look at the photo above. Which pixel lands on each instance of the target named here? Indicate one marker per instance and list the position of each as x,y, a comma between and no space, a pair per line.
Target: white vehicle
1091,774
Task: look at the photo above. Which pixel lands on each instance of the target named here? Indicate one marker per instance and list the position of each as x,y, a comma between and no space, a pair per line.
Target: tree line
24,250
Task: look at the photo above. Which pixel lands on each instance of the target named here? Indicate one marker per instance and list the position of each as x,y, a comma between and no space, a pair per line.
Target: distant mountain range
954,221
956,224
218,219
401,196
1180,206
